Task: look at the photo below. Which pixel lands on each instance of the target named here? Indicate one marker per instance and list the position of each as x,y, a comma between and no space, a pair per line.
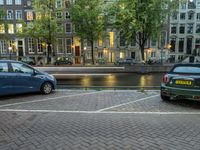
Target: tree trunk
142,51
48,52
92,51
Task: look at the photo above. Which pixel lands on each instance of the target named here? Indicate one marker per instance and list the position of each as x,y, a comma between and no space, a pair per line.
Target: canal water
111,80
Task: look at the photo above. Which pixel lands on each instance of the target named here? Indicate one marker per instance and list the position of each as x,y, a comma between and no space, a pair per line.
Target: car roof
11,61
188,65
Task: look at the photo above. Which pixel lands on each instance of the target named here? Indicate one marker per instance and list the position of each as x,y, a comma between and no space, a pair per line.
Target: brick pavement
99,130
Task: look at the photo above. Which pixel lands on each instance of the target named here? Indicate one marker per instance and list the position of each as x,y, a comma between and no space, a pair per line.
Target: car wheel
46,88
165,98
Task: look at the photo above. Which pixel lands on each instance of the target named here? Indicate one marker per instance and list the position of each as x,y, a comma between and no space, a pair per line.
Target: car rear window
187,69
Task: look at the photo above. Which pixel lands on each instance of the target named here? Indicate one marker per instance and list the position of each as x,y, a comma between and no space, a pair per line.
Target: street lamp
148,50
168,46
84,51
10,49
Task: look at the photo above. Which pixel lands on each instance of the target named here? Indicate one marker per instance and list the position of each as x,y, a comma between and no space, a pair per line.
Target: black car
28,60
128,61
62,61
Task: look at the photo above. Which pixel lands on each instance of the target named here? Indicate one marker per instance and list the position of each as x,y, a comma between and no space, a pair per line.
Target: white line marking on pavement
47,99
100,110
122,91
95,112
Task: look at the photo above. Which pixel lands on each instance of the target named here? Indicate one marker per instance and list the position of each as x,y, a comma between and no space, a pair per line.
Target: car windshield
187,69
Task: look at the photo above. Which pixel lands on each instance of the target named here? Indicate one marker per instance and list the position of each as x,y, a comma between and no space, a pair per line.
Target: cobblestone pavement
98,120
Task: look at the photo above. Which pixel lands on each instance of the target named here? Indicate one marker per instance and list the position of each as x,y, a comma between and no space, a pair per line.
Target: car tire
165,98
46,88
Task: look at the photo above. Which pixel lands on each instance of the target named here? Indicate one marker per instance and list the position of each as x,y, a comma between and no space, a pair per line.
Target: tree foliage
3,22
88,19
44,26
141,19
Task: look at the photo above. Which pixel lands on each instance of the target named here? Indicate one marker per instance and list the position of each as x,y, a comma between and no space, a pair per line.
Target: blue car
18,77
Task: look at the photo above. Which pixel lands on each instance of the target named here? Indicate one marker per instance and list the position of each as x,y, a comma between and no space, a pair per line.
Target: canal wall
108,69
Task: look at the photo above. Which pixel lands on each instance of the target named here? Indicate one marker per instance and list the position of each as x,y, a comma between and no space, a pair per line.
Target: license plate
183,82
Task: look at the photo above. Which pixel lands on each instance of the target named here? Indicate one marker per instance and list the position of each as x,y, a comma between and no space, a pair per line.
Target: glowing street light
10,49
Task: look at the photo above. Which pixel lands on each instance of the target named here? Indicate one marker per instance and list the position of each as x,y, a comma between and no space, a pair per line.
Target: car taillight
165,78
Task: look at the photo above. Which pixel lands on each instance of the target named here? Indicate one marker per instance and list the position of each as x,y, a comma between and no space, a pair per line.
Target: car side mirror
35,72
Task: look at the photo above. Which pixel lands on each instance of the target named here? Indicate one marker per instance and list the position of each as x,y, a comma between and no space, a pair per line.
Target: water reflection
115,79
146,80
110,80
86,81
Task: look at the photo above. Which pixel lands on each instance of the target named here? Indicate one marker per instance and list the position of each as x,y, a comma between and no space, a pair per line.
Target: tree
44,27
88,19
140,19
3,24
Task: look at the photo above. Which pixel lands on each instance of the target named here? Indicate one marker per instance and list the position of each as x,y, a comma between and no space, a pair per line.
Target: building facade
185,30
110,49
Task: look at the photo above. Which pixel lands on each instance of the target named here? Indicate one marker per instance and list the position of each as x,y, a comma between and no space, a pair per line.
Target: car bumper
180,93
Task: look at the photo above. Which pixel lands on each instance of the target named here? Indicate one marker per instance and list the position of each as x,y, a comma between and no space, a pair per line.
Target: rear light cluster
165,78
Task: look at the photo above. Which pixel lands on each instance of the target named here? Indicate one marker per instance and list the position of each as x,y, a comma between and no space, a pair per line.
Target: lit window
29,15
100,41
18,2
38,15
121,55
111,39
2,28
10,28
9,14
153,54
30,45
18,14
41,46
19,27
100,54
9,2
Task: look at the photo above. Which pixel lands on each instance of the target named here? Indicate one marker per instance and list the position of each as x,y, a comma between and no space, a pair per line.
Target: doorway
77,55
20,48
